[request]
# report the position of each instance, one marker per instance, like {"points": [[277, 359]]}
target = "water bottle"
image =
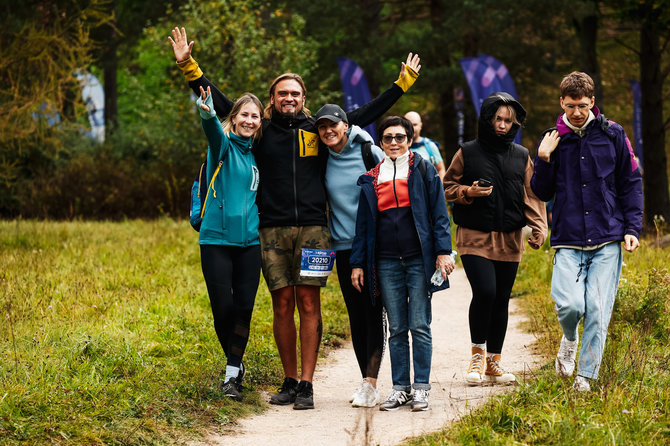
{"points": [[437, 278]]}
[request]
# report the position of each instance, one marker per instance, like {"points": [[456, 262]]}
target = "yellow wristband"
{"points": [[408, 79], [190, 69]]}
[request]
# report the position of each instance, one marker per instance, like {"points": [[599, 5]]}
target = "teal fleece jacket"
{"points": [[231, 214], [342, 174]]}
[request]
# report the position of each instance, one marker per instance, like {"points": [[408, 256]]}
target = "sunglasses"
{"points": [[388, 139]]}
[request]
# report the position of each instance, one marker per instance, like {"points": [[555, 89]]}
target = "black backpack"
{"points": [[368, 159]]}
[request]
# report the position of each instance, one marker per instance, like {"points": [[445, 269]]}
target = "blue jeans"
{"points": [[584, 285], [402, 283]]}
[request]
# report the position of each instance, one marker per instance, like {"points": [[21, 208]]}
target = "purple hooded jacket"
{"points": [[595, 182]]}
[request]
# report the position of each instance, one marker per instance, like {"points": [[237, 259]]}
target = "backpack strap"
{"points": [[368, 158], [211, 187], [422, 168]]}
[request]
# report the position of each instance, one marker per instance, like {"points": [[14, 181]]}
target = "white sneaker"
{"points": [[581, 384], [368, 396], [565, 359], [420, 401], [357, 392]]}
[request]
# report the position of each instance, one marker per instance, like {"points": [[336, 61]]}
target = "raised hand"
{"points": [[204, 95], [412, 62], [548, 145], [180, 45]]}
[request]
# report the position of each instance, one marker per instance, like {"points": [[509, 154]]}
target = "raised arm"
{"points": [[196, 80], [368, 113], [543, 182], [211, 126]]}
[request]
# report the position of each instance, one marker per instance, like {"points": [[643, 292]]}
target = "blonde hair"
{"points": [[246, 98], [512, 114], [291, 76]]}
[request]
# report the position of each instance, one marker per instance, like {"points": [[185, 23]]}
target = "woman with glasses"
{"points": [[489, 182], [402, 239]]}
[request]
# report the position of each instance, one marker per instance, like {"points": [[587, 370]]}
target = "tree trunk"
{"points": [[587, 30], [656, 195], [109, 65]]}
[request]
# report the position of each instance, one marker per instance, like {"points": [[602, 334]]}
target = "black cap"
{"points": [[331, 112]]}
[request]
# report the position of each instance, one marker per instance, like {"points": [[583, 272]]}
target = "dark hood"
{"points": [[486, 135]]}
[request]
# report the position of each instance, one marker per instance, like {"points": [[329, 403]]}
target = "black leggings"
{"points": [[491, 282], [232, 275], [366, 320]]}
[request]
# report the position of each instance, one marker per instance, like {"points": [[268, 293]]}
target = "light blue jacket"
{"points": [[231, 214], [342, 174]]}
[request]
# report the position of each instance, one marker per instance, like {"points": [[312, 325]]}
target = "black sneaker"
{"points": [[232, 390], [286, 394], [305, 396]]}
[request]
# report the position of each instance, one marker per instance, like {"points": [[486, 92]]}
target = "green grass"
{"points": [[107, 336], [630, 401]]}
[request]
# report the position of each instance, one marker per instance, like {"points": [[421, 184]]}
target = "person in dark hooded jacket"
{"points": [[489, 183]]}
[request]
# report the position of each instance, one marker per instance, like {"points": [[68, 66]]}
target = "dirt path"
{"points": [[335, 422]]}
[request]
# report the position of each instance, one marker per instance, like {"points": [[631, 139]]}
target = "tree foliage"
{"points": [[44, 44], [243, 45]]}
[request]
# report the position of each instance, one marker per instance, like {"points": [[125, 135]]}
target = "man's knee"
{"points": [[309, 300], [283, 302]]}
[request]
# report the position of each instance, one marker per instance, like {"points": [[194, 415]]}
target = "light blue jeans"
{"points": [[584, 285], [402, 283]]}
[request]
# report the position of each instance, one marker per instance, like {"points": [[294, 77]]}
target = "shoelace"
{"points": [[568, 351], [420, 395], [494, 366], [395, 395], [477, 363]]}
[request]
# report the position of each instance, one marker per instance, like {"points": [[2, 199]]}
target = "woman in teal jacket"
{"points": [[229, 247]]}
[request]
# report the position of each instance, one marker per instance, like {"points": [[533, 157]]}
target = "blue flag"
{"points": [[355, 88], [486, 75], [637, 118]]}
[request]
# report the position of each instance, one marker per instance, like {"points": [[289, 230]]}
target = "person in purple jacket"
{"points": [[586, 163]]}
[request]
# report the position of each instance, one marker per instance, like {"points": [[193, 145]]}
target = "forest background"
{"points": [[154, 143]]}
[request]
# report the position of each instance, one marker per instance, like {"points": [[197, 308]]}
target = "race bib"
{"points": [[316, 262], [309, 143]]}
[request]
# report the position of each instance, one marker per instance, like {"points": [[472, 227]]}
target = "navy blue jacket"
{"points": [[431, 221], [596, 183]]}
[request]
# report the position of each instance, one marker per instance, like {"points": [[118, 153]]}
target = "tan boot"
{"points": [[475, 373], [495, 373]]}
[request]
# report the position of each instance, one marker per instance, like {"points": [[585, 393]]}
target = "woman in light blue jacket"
{"points": [[229, 246], [351, 152]]}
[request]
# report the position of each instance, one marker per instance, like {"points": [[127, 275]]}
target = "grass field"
{"points": [[630, 401], [107, 336]]}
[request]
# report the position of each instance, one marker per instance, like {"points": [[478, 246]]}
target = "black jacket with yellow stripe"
{"points": [[292, 161]]}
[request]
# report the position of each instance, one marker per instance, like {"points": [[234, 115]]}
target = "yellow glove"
{"points": [[407, 80], [191, 69]]}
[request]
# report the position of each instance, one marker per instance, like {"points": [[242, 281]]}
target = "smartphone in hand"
{"points": [[483, 183]]}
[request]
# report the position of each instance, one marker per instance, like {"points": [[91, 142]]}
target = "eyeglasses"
{"points": [[388, 139], [582, 107]]}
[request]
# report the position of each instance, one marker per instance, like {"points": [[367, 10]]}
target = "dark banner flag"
{"points": [[637, 118], [486, 75], [355, 88]]}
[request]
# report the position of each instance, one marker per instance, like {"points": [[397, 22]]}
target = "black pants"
{"points": [[232, 275], [491, 282], [366, 320]]}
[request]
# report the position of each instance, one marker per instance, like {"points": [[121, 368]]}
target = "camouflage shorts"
{"points": [[281, 252]]}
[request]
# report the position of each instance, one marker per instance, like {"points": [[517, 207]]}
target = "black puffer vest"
{"points": [[497, 159]]}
